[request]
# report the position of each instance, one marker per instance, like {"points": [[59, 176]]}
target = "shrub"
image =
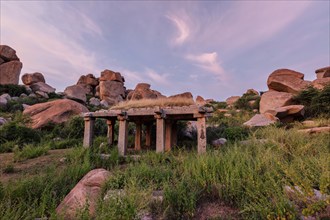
{"points": [[12, 90], [316, 102], [243, 102], [235, 133], [12, 131]]}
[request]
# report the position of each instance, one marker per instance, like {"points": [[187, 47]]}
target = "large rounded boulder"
{"points": [[57, 111], [285, 80], [85, 194], [10, 66], [31, 78], [271, 100]]}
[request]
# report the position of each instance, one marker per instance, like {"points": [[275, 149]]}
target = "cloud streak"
{"points": [[208, 62], [183, 30]]}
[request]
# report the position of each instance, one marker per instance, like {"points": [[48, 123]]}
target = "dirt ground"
{"points": [[216, 210], [30, 167]]}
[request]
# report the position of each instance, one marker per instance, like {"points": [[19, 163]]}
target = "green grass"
{"points": [[29, 152]]}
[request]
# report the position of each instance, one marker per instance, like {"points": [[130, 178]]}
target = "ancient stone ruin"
{"points": [[166, 125]]}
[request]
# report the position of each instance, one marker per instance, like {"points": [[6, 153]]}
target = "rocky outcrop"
{"points": [[285, 80], [111, 87], [9, 72], [88, 79], [112, 91], [231, 100], [57, 111], [143, 91], [260, 120], [7, 53], [272, 99], [251, 92], [109, 75], [76, 92], [84, 195], [10, 66], [200, 101], [43, 87], [185, 95], [321, 83], [323, 72], [31, 78]]}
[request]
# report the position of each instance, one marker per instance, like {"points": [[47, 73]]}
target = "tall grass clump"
{"points": [[29, 152]]}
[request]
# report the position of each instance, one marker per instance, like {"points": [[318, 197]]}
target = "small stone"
{"points": [[33, 95], [23, 95], [6, 96], [94, 101], [42, 94], [104, 104], [219, 142]]}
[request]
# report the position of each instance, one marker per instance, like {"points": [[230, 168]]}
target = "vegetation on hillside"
{"points": [[316, 102]]}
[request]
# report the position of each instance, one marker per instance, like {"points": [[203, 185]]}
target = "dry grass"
{"points": [[145, 103]]}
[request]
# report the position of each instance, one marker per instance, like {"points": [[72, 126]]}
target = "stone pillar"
{"points": [[88, 131], [111, 131], [148, 134], [123, 133], [201, 135], [168, 135], [160, 133], [174, 133], [138, 135]]}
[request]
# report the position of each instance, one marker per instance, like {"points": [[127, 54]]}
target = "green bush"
{"points": [[235, 133], [243, 102], [316, 102], [12, 90], [17, 105], [12, 131]]}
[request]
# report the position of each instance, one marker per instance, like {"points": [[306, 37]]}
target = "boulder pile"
{"points": [[10, 66], [283, 85], [36, 84]]}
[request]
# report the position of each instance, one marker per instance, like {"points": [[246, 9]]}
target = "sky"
{"points": [[215, 49]]}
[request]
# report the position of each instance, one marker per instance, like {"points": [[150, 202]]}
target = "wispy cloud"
{"points": [[207, 61], [183, 30], [157, 78]]}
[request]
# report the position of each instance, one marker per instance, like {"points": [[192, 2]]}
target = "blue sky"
{"points": [[213, 49]]}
